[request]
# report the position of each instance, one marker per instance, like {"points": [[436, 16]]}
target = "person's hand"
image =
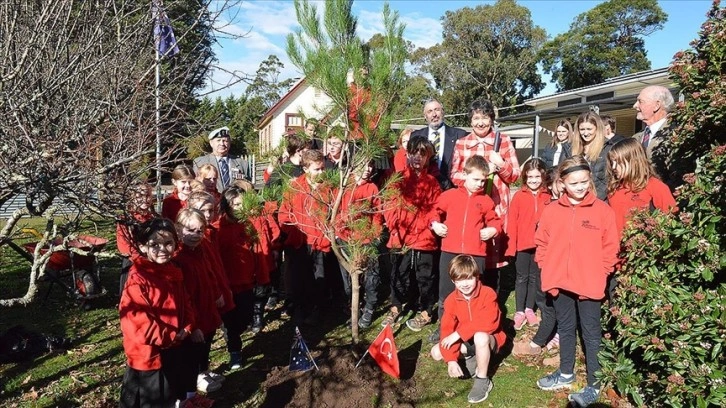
{"points": [[220, 302], [487, 233], [449, 340], [454, 369], [197, 336], [496, 159], [439, 228], [183, 333]]}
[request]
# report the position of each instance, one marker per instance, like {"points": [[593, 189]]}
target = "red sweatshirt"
{"points": [[235, 249], [303, 214], [479, 313], [524, 212], [410, 210], [624, 201], [211, 253], [465, 215], [154, 307], [267, 232], [171, 206], [200, 281], [361, 201], [577, 246]]}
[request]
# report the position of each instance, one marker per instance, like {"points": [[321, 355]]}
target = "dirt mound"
{"points": [[337, 383]]}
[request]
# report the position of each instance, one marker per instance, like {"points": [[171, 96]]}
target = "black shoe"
{"points": [[257, 323], [435, 337], [365, 319], [271, 303]]}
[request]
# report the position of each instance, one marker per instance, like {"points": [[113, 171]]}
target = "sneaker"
{"points": [[257, 323], [365, 319], [418, 322], [555, 381], [470, 364], [435, 337], [205, 384], [235, 360], [271, 303], [587, 396], [554, 343], [392, 317], [519, 320], [480, 390], [532, 319]]}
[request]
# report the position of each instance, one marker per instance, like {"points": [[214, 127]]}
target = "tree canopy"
{"points": [[603, 43], [489, 51]]}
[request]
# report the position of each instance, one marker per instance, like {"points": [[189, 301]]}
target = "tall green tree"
{"points": [[489, 51], [326, 48], [603, 43], [267, 84]]}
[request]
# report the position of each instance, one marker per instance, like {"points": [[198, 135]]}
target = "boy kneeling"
{"points": [[469, 327]]}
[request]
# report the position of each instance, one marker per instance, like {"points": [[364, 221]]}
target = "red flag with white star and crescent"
{"points": [[383, 350]]}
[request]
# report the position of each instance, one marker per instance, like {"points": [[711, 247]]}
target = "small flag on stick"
{"points": [[163, 33], [300, 357], [383, 350]]}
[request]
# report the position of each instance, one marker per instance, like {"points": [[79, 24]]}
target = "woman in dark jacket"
{"points": [[561, 146]]}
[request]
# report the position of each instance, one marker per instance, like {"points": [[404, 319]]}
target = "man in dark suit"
{"points": [[229, 167], [443, 137], [653, 105]]}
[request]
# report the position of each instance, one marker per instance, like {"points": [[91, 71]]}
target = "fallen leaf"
{"points": [[27, 379]]}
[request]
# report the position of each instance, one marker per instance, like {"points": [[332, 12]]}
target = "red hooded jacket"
{"points": [[360, 201], [410, 210], [480, 313], [154, 307], [235, 249], [524, 212], [303, 214], [577, 246], [624, 201], [211, 253], [465, 215], [200, 281]]}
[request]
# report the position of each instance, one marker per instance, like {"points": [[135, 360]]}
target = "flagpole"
{"points": [[158, 134], [361, 359]]}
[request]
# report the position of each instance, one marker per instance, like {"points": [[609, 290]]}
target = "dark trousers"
{"points": [[145, 389], [525, 287], [180, 367], [204, 350], [567, 307], [306, 274], [420, 265], [237, 319], [547, 325], [371, 281], [446, 285]]}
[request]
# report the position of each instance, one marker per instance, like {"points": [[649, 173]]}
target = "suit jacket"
{"points": [[451, 135], [660, 157], [238, 168]]}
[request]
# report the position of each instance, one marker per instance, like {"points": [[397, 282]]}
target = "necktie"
{"points": [[646, 137], [437, 143], [224, 171]]}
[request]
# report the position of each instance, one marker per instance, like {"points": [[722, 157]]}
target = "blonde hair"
{"points": [[572, 164], [636, 169], [182, 172], [597, 143], [187, 214], [200, 197], [476, 162], [205, 169], [404, 133], [197, 185], [463, 267]]}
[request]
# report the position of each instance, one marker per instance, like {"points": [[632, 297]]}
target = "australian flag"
{"points": [[163, 33], [300, 358]]}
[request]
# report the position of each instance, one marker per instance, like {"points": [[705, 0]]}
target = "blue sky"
{"points": [[266, 24]]}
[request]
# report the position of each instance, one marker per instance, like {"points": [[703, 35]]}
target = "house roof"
{"points": [[589, 96], [273, 110]]}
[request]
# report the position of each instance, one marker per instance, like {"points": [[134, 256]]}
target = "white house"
{"points": [[302, 101]]}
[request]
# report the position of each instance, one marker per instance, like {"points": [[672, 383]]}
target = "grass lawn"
{"points": [[90, 374]]}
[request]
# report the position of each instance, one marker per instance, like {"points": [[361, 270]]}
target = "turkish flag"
{"points": [[383, 350]]}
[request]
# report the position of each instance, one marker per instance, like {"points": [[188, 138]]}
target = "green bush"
{"points": [[666, 340]]}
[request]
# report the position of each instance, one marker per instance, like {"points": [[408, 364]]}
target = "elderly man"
{"points": [[229, 167], [652, 106], [443, 137]]}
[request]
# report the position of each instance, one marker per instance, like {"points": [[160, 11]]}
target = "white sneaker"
{"points": [[205, 385]]}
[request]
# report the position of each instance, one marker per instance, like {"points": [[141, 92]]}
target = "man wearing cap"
{"points": [[229, 167]]}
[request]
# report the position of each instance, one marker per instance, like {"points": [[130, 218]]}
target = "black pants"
{"points": [[567, 307], [420, 265], [146, 389], [237, 319], [180, 367], [525, 287], [371, 281], [204, 350], [306, 273], [446, 285], [546, 328]]}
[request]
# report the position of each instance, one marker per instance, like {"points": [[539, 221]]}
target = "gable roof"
{"points": [[299, 86]]}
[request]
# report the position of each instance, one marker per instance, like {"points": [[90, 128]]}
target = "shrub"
{"points": [[666, 321]]}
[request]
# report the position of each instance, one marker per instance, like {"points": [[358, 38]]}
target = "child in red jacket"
{"points": [[470, 326], [465, 220], [157, 321], [414, 247], [201, 282], [303, 217], [181, 177], [139, 208], [577, 247], [234, 239], [524, 212]]}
